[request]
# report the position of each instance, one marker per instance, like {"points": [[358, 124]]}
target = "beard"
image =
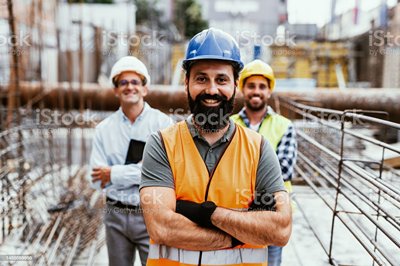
{"points": [[215, 118], [253, 107]]}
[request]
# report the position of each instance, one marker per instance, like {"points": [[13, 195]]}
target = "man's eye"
{"points": [[222, 80], [201, 79]]}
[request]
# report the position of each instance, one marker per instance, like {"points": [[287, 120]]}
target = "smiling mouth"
{"points": [[256, 98], [253, 97], [129, 93], [210, 102]]}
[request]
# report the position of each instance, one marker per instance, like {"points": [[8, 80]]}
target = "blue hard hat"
{"points": [[213, 44]]}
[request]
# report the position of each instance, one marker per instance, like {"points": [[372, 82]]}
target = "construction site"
{"points": [[338, 82]]}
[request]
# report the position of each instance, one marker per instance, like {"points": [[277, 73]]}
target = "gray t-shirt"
{"points": [[156, 170]]}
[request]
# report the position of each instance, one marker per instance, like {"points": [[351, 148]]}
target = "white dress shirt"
{"points": [[110, 146]]}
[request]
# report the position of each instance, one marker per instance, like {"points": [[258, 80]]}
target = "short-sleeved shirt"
{"points": [[156, 170]]}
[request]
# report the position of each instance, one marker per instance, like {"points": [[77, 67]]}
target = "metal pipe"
{"points": [[169, 99], [13, 93], [56, 245], [73, 250], [323, 197], [357, 174], [393, 192]]}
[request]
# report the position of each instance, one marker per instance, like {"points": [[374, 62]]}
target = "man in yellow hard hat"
{"points": [[257, 82], [116, 161]]}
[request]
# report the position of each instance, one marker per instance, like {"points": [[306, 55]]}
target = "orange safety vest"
{"points": [[231, 184]]}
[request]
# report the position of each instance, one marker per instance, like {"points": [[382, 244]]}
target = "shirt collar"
{"points": [[195, 133], [246, 120], [125, 119]]}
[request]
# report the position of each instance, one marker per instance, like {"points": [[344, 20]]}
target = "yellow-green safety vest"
{"points": [[273, 127]]}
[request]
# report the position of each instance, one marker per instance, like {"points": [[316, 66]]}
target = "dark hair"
{"points": [[268, 81], [236, 68]]}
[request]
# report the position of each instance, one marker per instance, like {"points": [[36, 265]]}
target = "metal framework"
{"points": [[45, 198], [363, 193]]}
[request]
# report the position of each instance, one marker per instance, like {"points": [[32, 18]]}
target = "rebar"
{"points": [[343, 176]]}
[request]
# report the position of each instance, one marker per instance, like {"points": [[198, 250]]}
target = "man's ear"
{"points": [[186, 85], [145, 91], [269, 93], [186, 82], [115, 89]]}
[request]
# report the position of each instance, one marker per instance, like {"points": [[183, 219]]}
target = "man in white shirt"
{"points": [[116, 160]]}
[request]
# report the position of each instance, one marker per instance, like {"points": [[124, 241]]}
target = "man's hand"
{"points": [[102, 174], [167, 227], [258, 227], [199, 213]]}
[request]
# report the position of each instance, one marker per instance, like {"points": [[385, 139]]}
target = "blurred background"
{"points": [[316, 43], [337, 64]]}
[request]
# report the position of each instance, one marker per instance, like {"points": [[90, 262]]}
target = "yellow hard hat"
{"points": [[257, 68]]}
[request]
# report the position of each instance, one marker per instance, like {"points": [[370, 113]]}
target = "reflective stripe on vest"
{"points": [[217, 257], [231, 184]]}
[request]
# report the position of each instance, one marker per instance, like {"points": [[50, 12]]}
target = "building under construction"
{"points": [[54, 89]]}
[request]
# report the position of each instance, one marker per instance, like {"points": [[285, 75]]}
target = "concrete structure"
{"points": [[302, 31], [359, 20], [253, 23], [107, 32], [50, 38]]}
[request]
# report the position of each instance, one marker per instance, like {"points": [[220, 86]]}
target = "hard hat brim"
{"points": [[213, 57]]}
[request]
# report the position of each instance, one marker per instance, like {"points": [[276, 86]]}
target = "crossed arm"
{"points": [[258, 227], [167, 227]]}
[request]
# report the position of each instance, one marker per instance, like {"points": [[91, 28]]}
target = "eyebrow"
{"points": [[199, 73], [252, 82], [218, 75]]}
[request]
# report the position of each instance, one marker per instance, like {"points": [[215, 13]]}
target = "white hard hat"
{"points": [[130, 63]]}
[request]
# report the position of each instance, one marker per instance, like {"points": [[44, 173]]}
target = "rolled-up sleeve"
{"points": [[98, 158], [125, 175], [287, 153]]}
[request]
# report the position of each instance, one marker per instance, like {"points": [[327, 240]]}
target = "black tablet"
{"points": [[135, 151]]}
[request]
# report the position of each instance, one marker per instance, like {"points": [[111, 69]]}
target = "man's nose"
{"points": [[212, 89], [257, 89], [131, 86]]}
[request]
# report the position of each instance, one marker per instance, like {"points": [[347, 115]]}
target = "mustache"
{"points": [[206, 96]]}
